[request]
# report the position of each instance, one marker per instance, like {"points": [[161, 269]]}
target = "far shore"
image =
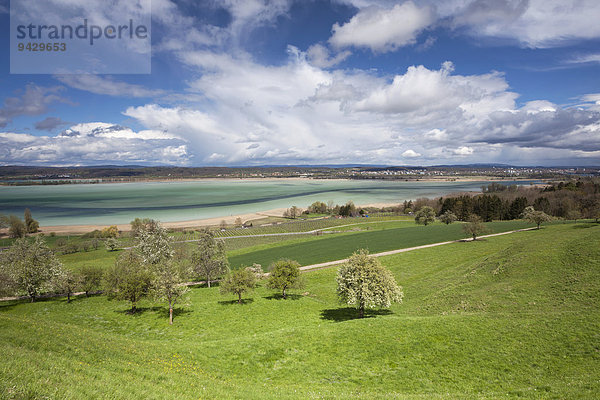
{"points": [[412, 178]]}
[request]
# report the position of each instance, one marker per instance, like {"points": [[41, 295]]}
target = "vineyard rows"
{"points": [[295, 227]]}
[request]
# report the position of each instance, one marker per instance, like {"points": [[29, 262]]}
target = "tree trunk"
{"points": [[538, 226], [361, 311], [68, 296], [474, 237], [170, 315], [208, 280], [283, 294], [239, 298]]}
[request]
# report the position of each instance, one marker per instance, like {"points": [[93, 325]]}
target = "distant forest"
{"points": [[569, 200]]}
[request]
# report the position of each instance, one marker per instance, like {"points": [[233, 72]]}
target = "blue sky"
{"points": [[325, 82]]}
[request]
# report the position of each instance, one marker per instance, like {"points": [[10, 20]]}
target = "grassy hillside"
{"points": [[507, 317]]}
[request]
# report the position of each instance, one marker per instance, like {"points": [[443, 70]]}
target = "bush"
{"points": [[425, 216], [16, 227], [110, 232]]}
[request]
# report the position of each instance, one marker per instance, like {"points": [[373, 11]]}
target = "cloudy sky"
{"points": [[272, 82]]}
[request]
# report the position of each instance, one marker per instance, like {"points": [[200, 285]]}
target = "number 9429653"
{"points": [[42, 46]]}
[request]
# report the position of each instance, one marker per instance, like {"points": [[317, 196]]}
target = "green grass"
{"points": [[329, 248], [101, 258], [514, 316]]}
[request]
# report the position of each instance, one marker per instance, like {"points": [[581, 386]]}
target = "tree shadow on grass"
{"points": [[230, 302], [177, 312], [585, 225], [278, 296], [470, 240], [139, 310], [9, 305], [348, 313]]}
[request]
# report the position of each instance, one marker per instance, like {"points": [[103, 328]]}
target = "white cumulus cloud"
{"points": [[463, 151], [383, 29], [93, 143], [410, 154]]}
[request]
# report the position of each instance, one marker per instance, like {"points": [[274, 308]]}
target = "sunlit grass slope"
{"points": [[506, 317]]}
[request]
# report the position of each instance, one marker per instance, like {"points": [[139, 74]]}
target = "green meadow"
{"points": [[381, 238], [334, 244], [513, 316]]}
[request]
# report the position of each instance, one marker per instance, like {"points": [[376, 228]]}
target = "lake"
{"points": [[87, 204]]}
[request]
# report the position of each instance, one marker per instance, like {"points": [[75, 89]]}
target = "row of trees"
{"points": [[153, 268], [474, 223], [18, 228], [30, 267]]}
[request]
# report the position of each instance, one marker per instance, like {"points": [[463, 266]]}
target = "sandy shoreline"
{"points": [[214, 221], [230, 219]]}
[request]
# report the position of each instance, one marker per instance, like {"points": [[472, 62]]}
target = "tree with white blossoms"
{"points": [[535, 217], [30, 266], [154, 245], [111, 244], [363, 282], [209, 260]]}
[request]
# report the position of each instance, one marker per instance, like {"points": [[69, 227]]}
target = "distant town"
{"points": [[21, 175]]}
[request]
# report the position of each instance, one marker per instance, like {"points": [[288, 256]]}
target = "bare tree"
{"points": [[474, 226]]}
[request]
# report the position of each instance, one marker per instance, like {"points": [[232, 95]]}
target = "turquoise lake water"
{"points": [[84, 204]]}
